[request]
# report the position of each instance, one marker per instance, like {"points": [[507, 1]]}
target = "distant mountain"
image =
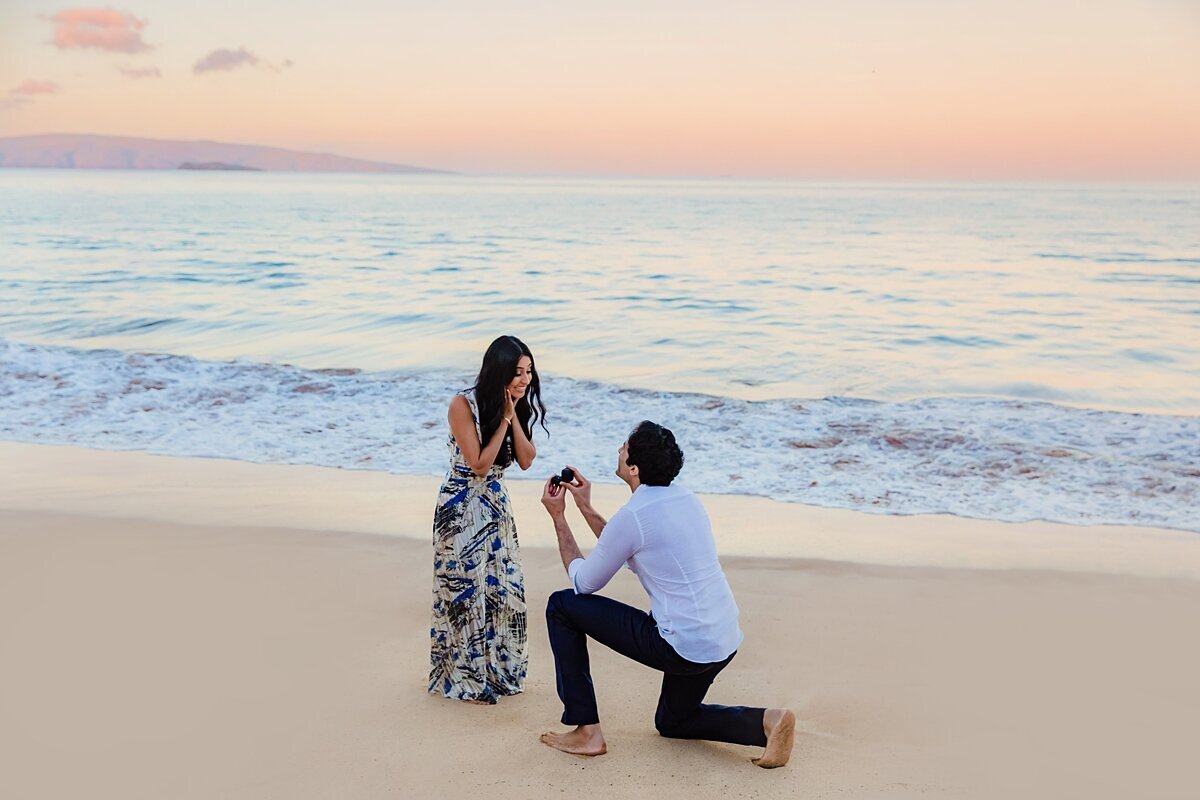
{"points": [[86, 151]]}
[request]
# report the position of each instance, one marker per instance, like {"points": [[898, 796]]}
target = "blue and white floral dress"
{"points": [[478, 635]]}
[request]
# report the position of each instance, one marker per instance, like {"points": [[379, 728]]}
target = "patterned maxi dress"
{"points": [[477, 637]]}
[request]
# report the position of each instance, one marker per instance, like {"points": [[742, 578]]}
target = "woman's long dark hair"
{"points": [[498, 370]]}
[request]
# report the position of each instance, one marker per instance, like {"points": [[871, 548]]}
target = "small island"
{"points": [[218, 165]]}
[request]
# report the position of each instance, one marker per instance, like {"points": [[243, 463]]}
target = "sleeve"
{"points": [[618, 541]]}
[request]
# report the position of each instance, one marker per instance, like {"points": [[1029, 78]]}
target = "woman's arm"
{"points": [[524, 450], [478, 457]]}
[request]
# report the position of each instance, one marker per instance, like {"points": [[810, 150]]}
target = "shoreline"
{"points": [[78, 480], [979, 458]]}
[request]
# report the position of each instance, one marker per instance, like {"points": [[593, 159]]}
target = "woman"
{"points": [[477, 648]]}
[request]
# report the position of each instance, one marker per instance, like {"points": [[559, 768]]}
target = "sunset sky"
{"points": [[1107, 89]]}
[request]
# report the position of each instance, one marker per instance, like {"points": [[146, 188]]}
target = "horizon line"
{"points": [[1187, 181]]}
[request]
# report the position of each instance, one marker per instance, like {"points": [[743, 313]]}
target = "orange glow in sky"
{"points": [[859, 89]]}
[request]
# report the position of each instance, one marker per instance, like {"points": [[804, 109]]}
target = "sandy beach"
{"points": [[194, 628], [907, 295]]}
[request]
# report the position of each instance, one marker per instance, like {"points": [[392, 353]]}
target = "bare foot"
{"points": [[780, 727], [585, 740]]}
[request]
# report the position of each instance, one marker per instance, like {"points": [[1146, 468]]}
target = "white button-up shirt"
{"points": [[663, 535]]}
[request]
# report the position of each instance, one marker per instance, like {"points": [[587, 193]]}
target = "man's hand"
{"points": [[580, 489], [554, 498]]}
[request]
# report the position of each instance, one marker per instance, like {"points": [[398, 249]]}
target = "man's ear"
{"points": [[633, 470]]}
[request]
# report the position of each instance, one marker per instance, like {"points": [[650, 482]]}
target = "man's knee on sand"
{"points": [[668, 727]]}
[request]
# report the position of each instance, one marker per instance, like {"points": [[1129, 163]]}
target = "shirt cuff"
{"points": [[573, 570]]}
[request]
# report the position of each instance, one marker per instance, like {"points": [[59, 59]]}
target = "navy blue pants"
{"points": [[681, 714]]}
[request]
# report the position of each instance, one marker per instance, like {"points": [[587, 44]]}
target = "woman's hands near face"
{"points": [[510, 407]]}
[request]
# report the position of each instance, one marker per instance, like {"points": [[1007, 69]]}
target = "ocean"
{"points": [[1000, 351]]}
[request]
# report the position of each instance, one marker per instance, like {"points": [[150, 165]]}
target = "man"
{"points": [[663, 535]]}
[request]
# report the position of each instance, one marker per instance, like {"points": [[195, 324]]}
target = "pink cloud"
{"points": [[25, 92], [140, 72], [31, 86], [100, 28], [224, 59]]}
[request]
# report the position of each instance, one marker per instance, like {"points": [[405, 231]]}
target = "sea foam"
{"points": [[991, 459]]}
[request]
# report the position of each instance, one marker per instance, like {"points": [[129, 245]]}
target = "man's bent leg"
{"points": [[570, 619]]}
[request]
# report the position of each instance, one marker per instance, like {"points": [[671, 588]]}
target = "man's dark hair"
{"points": [[652, 449]]}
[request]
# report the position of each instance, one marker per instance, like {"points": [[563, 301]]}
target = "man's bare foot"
{"points": [[585, 740], [780, 726]]}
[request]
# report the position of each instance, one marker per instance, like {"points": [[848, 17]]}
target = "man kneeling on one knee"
{"points": [[663, 535]]}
